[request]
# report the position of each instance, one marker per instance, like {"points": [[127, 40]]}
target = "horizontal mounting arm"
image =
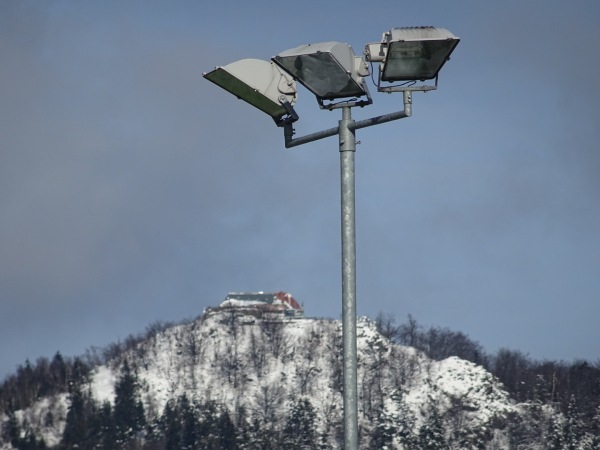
{"points": [[288, 128]]}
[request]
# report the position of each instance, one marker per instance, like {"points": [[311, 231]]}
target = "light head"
{"points": [[261, 84], [411, 54], [330, 70]]}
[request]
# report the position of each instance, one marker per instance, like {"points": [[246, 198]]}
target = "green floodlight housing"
{"points": [[330, 70], [261, 84], [411, 54]]}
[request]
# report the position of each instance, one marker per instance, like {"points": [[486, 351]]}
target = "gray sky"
{"points": [[132, 190]]}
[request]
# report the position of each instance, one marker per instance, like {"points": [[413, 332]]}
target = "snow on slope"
{"points": [[263, 365], [455, 379]]}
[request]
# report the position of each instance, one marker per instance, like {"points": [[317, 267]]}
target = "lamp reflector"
{"points": [[259, 83]]}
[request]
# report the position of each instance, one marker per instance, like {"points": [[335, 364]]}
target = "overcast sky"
{"points": [[134, 191]]}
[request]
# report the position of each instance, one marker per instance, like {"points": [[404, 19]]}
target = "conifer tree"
{"points": [[431, 433], [79, 427], [76, 421], [11, 430], [384, 430], [171, 427], [299, 431], [226, 432], [403, 420], [260, 436], [189, 424], [244, 429], [129, 411], [555, 437], [573, 431], [107, 436]]}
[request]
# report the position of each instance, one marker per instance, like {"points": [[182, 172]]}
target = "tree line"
{"points": [[561, 400], [573, 388], [46, 377], [185, 424]]}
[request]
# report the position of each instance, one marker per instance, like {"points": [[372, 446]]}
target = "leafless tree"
{"points": [[335, 357], [269, 400], [273, 332], [375, 367], [408, 333], [257, 353], [387, 327]]}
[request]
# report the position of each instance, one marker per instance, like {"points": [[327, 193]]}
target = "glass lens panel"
{"points": [[416, 60], [322, 75]]}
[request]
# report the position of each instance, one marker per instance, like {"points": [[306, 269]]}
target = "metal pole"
{"points": [[347, 151], [346, 131]]}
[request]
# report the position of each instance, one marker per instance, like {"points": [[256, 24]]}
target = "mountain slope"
{"points": [[262, 367]]}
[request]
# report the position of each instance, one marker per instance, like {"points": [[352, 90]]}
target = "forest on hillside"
{"points": [[569, 388], [558, 383]]}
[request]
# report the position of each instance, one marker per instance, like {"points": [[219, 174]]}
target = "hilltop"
{"points": [[249, 379]]}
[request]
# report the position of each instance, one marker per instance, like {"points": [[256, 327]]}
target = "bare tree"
{"points": [[386, 325], [269, 400], [408, 333], [332, 335], [273, 332], [193, 351], [258, 355]]}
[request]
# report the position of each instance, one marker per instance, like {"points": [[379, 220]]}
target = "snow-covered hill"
{"points": [[264, 365]]}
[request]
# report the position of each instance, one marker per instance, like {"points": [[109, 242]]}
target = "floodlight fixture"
{"points": [[261, 84], [330, 70], [411, 54]]}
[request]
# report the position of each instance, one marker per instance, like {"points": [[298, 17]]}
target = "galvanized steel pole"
{"points": [[347, 151], [346, 132]]}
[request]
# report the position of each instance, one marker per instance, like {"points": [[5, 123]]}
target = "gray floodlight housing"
{"points": [[261, 84], [330, 70], [412, 53]]}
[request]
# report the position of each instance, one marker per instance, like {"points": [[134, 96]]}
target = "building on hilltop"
{"points": [[261, 302]]}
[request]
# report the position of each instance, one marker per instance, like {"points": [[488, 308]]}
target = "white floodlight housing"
{"points": [[260, 83], [412, 53], [330, 70]]}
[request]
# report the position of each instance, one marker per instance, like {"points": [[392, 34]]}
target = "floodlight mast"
{"points": [[332, 72], [347, 148]]}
